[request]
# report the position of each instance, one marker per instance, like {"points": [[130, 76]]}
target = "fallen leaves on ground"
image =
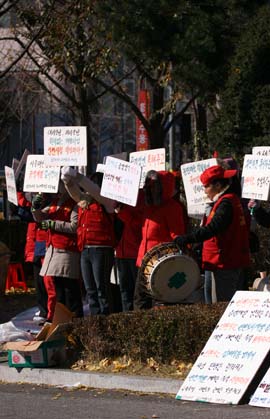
{"points": [[176, 369]]}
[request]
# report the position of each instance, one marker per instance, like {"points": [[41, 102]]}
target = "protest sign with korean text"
{"points": [[263, 151], [261, 397], [234, 352], [149, 160], [121, 181], [40, 177], [65, 146], [11, 185], [256, 177], [194, 190]]}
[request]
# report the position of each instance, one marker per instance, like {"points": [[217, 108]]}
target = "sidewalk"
{"points": [[69, 378]]}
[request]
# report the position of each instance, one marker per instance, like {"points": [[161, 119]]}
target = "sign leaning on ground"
{"points": [[121, 181], [65, 146], [261, 397], [149, 160], [256, 177], [39, 177], [234, 352], [194, 191], [11, 185]]}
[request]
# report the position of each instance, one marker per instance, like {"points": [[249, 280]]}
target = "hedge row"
{"points": [[168, 333]]}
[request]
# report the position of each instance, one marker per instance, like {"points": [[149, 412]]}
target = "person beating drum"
{"points": [[163, 219], [225, 235]]}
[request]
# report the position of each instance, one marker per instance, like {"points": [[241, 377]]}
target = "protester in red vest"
{"points": [[126, 251], [163, 220], [225, 235], [61, 263], [96, 238]]}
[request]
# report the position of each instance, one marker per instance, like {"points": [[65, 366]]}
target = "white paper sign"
{"points": [[65, 146], [11, 185], [149, 160], [194, 190], [261, 397], [234, 352], [263, 151], [121, 181], [256, 177], [121, 156], [40, 177]]}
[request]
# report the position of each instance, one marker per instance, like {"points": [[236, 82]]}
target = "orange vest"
{"points": [[59, 240], [95, 227], [229, 249]]}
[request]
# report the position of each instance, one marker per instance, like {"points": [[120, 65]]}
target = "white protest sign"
{"points": [[263, 151], [256, 177], [65, 146], [11, 185], [40, 177], [121, 181], [100, 168], [121, 156], [261, 397], [194, 190], [234, 352], [149, 160]]}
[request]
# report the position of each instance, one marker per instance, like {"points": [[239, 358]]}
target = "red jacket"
{"points": [[60, 240], [162, 223], [22, 201], [230, 249], [30, 242], [95, 227], [131, 238]]}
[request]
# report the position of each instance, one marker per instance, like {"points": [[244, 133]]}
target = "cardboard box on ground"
{"points": [[48, 348]]}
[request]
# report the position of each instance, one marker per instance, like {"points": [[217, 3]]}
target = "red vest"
{"points": [[95, 227], [66, 241], [41, 235], [229, 249]]}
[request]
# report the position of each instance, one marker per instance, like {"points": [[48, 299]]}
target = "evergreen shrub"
{"points": [[165, 334]]}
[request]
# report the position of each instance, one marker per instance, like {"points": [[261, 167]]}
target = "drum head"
{"points": [[174, 278]]}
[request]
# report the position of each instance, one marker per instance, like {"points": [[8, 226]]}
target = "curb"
{"points": [[67, 378]]}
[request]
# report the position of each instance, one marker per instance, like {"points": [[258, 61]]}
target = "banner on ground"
{"points": [[234, 352], [149, 160], [65, 146], [40, 177], [11, 185], [194, 190], [256, 177], [121, 181]]}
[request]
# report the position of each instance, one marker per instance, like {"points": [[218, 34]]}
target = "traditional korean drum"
{"points": [[169, 275]]}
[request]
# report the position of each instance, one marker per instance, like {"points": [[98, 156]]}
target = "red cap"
{"points": [[216, 172]]}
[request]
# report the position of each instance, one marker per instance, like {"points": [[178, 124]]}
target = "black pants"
{"points": [[142, 296], [68, 292], [42, 296]]}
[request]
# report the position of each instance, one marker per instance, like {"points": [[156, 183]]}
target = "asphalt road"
{"points": [[24, 401]]}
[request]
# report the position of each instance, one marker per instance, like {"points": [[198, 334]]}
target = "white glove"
{"points": [[67, 173]]}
